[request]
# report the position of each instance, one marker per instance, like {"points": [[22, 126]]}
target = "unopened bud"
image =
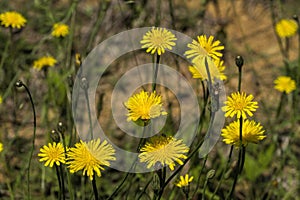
{"points": [[295, 17], [211, 174], [60, 127], [239, 61], [54, 136], [19, 83]]}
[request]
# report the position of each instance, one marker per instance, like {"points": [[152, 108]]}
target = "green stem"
{"points": [[21, 84], [198, 180], [157, 13], [89, 112], [241, 160], [282, 98], [223, 173], [155, 73], [101, 14], [240, 79], [95, 188], [4, 53], [162, 178]]}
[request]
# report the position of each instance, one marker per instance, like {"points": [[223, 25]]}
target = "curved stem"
{"points": [[21, 84]]}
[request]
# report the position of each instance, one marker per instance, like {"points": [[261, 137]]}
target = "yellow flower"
{"points": [[1, 100], [204, 47], [46, 61], [53, 154], [144, 106], [90, 157], [157, 40], [216, 70], [1, 147], [252, 132], [12, 19], [164, 150], [184, 181], [60, 30], [286, 28], [240, 105], [285, 84]]}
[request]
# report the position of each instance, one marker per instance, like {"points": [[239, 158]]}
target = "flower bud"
{"points": [[54, 136], [239, 61]]}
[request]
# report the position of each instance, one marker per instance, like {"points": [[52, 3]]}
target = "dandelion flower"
{"points": [[53, 154], [46, 61], [1, 147], [144, 106], [184, 181], [286, 28], [157, 40], [12, 19], [240, 105], [252, 132], [216, 70], [164, 150], [90, 157], [285, 84], [60, 30], [204, 47]]}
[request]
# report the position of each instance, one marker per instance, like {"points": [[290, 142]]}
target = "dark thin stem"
{"points": [[20, 84], [89, 112], [223, 173], [95, 188], [162, 178], [59, 181], [241, 160], [198, 181], [157, 13], [62, 182], [155, 73], [240, 79]]}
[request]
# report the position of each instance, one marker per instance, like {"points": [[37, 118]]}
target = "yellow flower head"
{"points": [[90, 157], [252, 132], [46, 61], [144, 106], [240, 105], [286, 28], [1, 100], [184, 181], [285, 84], [204, 47], [1, 147], [12, 19], [157, 40], [60, 30], [53, 154], [216, 70], [163, 150]]}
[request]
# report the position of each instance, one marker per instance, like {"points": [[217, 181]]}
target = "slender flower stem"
{"points": [[59, 182], [223, 173], [62, 182], [85, 86], [279, 108], [20, 84], [162, 178], [199, 176], [4, 53], [95, 188], [155, 73]]}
